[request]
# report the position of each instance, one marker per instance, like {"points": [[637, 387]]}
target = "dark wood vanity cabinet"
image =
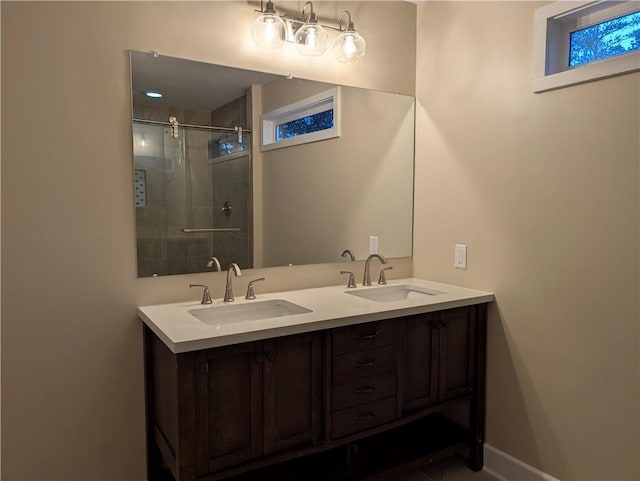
{"points": [[217, 413], [228, 406], [364, 364], [221, 407], [456, 332], [257, 398], [292, 397], [439, 354]]}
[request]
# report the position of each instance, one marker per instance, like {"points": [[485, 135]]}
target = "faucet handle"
{"points": [[382, 279], [206, 295], [250, 292], [352, 279]]}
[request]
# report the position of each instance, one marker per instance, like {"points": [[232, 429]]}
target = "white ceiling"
{"points": [[189, 84]]}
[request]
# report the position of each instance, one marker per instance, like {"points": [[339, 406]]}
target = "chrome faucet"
{"points": [[367, 277], [228, 292], [346, 253], [214, 262]]}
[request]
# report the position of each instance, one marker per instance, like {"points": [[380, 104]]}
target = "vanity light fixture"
{"points": [[153, 95], [268, 30], [349, 47], [271, 30], [311, 39]]}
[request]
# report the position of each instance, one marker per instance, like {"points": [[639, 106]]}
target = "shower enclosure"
{"points": [[193, 195]]}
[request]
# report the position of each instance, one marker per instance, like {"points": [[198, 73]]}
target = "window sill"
{"points": [[610, 67]]}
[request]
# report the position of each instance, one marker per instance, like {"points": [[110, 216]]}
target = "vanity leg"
{"points": [[477, 404], [153, 455]]}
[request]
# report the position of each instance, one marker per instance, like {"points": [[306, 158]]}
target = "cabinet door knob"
{"points": [[367, 337], [365, 389], [370, 363], [438, 324]]}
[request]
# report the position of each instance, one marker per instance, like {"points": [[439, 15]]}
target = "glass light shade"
{"points": [[349, 47], [311, 39], [268, 30]]}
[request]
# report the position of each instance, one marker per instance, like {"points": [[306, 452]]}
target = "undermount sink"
{"points": [[250, 311], [394, 293]]}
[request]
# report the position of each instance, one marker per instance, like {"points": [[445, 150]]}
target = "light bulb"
{"points": [[268, 30], [311, 39], [349, 47]]}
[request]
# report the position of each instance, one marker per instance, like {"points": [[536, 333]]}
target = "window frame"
{"points": [[323, 101], [552, 27]]}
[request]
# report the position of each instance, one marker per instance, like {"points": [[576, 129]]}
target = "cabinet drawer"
{"points": [[357, 365], [366, 416], [364, 390], [366, 336]]}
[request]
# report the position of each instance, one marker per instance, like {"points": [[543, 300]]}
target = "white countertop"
{"points": [[330, 307]]}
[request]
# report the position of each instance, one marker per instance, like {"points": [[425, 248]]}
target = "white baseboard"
{"points": [[507, 468]]}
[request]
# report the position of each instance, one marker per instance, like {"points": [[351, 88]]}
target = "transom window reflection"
{"points": [[606, 39], [305, 125], [311, 119]]}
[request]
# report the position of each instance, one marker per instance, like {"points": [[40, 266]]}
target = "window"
{"points": [[228, 144], [305, 125], [605, 39], [576, 43], [312, 119]]}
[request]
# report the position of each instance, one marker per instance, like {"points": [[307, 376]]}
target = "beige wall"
{"points": [[323, 197], [544, 190], [72, 381]]}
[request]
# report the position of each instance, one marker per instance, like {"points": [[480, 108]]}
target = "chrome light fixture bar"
{"points": [[310, 37]]}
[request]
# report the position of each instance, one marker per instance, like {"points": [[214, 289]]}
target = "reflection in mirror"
{"points": [[205, 186]]}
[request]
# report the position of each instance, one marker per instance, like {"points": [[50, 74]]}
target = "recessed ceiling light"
{"points": [[154, 95]]}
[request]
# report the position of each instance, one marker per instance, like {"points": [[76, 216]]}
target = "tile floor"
{"points": [[451, 469]]}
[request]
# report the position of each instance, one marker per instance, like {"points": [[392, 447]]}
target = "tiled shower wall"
{"points": [[162, 246], [232, 182], [172, 203]]}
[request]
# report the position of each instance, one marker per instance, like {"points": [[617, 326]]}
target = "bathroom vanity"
{"points": [[354, 386]]}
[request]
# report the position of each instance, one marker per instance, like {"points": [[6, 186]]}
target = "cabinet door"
{"points": [[456, 370], [229, 408], [292, 391], [420, 380]]}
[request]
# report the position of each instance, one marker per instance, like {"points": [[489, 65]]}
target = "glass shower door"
{"points": [[193, 199]]}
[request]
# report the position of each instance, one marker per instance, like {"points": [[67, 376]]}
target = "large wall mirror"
{"points": [[265, 170]]}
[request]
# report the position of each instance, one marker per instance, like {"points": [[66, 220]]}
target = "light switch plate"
{"points": [[460, 256], [373, 244]]}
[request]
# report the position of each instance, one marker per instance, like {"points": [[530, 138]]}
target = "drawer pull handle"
{"points": [[366, 416], [371, 363], [367, 337], [365, 389]]}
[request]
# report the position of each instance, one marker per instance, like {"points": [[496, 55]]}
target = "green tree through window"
{"points": [[305, 125], [603, 40]]}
